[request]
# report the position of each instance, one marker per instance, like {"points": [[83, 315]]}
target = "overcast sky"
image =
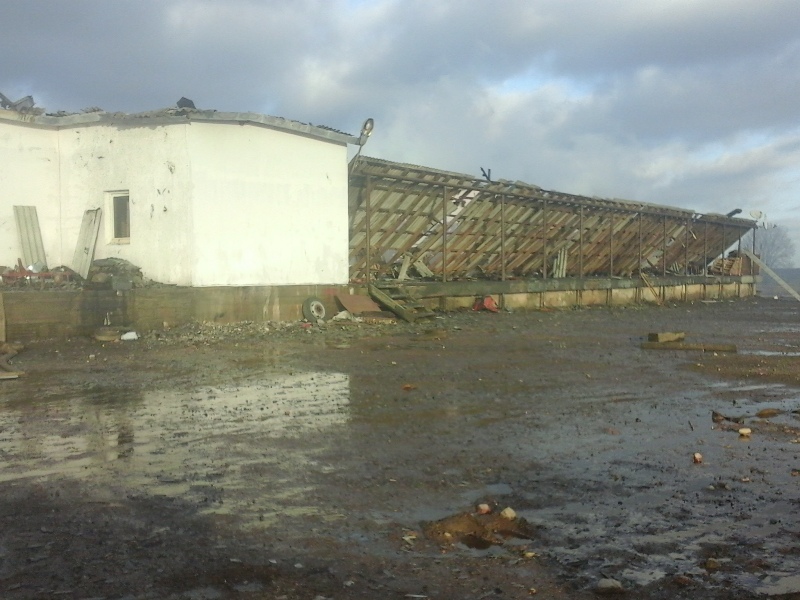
{"points": [[690, 103]]}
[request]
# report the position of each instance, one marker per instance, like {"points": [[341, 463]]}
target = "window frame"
{"points": [[116, 224]]}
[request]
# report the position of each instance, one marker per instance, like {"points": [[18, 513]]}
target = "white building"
{"points": [[192, 197]]}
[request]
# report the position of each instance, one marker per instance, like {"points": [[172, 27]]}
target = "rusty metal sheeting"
{"points": [[459, 227]]}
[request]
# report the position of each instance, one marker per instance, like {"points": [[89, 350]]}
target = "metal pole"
{"points": [[502, 238], [723, 246], [705, 247], [445, 201], [639, 264], [544, 240], [368, 239], [686, 250], [580, 259], [664, 250], [611, 245]]}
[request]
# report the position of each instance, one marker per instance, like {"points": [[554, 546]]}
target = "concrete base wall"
{"points": [[565, 293], [51, 314], [48, 314]]}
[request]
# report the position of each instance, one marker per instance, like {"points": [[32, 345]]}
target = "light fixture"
{"points": [[366, 131]]}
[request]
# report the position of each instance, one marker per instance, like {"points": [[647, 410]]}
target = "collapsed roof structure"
{"points": [[452, 226]]}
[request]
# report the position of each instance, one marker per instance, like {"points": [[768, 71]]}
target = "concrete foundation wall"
{"points": [[48, 314], [564, 293]]}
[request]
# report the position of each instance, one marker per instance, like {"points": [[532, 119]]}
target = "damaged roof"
{"points": [[168, 116], [460, 226]]}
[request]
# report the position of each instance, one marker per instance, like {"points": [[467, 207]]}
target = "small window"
{"points": [[119, 222]]}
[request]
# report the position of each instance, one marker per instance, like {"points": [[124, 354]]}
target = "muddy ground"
{"points": [[347, 461]]}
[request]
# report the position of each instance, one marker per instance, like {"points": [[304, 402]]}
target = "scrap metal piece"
{"points": [[30, 236]]}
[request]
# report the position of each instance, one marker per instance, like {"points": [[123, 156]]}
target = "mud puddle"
{"points": [[221, 448], [614, 491]]}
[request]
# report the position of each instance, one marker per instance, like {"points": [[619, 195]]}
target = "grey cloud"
{"points": [[684, 103]]}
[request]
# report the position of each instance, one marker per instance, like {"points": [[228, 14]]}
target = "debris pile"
{"points": [[480, 529], [24, 105], [37, 276], [119, 273]]}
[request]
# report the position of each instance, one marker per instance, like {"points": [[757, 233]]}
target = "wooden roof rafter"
{"points": [[499, 227]]}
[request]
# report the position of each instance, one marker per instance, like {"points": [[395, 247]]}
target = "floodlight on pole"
{"points": [[366, 131]]}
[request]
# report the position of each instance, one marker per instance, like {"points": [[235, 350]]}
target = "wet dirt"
{"points": [[250, 461]]}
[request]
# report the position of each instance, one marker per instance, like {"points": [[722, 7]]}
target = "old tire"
{"points": [[313, 309]]}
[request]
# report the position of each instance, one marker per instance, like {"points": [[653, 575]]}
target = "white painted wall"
{"points": [[212, 203], [28, 177], [151, 162], [269, 207]]}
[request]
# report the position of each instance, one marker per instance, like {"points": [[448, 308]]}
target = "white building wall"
{"points": [[270, 208], [28, 177], [211, 203], [151, 163]]}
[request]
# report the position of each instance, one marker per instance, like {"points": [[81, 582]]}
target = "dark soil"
{"points": [[268, 461]]}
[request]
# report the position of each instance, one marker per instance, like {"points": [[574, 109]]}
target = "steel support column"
{"points": [[445, 203], [639, 264], [544, 240], [502, 238], [368, 226], [611, 245], [664, 250], [580, 243]]}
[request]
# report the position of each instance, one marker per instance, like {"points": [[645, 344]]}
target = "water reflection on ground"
{"points": [[207, 443]]}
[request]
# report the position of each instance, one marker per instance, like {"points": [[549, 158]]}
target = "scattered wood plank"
{"points": [[404, 268], [87, 240], [656, 295], [772, 274], [666, 336], [422, 268], [689, 347], [394, 306], [10, 375]]}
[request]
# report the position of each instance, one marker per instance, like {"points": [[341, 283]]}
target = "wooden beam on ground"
{"points": [[394, 306], [666, 336], [689, 347]]}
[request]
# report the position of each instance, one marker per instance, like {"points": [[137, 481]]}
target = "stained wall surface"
{"points": [[212, 203]]}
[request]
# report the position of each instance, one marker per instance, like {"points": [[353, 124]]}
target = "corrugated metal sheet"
{"points": [[87, 240], [30, 236], [462, 227]]}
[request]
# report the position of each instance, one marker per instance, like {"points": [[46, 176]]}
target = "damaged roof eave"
{"points": [[150, 119], [377, 169]]}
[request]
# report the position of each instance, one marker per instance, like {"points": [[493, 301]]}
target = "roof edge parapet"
{"points": [[177, 116]]}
